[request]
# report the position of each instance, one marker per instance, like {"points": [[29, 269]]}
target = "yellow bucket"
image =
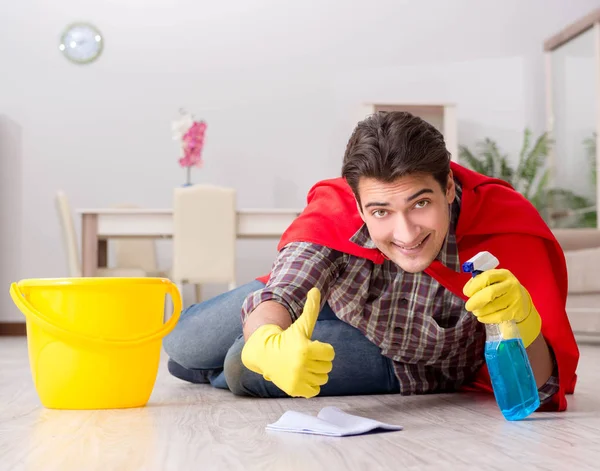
{"points": [[94, 343]]}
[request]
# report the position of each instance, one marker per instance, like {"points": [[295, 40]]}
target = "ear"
{"points": [[360, 211], [450, 188]]}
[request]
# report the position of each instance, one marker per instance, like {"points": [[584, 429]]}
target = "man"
{"points": [[366, 294]]}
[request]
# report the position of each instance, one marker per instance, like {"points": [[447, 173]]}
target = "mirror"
{"points": [[573, 102]]}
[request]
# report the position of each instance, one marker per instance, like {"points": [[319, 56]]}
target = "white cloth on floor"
{"points": [[331, 421]]}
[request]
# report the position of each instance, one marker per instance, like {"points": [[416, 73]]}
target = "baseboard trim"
{"points": [[12, 329]]}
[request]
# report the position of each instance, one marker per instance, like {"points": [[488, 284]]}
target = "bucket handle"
{"points": [[55, 328]]}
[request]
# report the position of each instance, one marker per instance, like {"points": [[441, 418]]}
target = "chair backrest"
{"points": [[68, 233], [135, 252], [204, 234]]}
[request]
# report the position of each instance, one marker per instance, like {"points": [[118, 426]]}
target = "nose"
{"points": [[406, 233]]}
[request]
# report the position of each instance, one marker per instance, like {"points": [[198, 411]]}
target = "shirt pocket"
{"points": [[438, 332]]}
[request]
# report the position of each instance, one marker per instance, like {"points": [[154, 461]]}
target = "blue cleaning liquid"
{"points": [[512, 379]]}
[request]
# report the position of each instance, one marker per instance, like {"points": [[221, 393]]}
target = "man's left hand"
{"points": [[496, 296]]}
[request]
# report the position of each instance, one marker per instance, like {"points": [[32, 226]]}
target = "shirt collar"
{"points": [[362, 238]]}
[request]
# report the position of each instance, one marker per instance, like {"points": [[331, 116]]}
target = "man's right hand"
{"points": [[289, 358]]}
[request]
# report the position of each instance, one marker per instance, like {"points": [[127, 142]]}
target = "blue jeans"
{"points": [[206, 347]]}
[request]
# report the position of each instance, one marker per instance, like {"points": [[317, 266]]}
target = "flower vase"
{"points": [[188, 180]]}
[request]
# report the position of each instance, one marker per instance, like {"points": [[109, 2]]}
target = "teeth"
{"points": [[415, 246]]}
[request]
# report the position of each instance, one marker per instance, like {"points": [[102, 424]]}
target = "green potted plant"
{"points": [[559, 207]]}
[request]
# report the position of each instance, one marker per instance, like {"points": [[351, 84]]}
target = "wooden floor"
{"points": [[190, 427]]}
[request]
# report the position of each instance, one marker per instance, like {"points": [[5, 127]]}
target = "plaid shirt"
{"points": [[436, 345]]}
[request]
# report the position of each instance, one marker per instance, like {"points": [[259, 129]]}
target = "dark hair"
{"points": [[389, 145]]}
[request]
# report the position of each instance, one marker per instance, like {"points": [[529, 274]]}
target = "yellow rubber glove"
{"points": [[496, 296], [289, 358]]}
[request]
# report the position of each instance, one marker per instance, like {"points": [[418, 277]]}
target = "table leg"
{"points": [[102, 253], [89, 244]]}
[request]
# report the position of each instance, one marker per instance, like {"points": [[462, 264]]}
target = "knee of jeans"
{"points": [[183, 349], [238, 377], [173, 346], [185, 345]]}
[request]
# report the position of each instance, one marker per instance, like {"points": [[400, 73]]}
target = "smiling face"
{"points": [[408, 219]]}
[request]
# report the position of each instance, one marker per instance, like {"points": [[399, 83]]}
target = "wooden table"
{"points": [[101, 224]]}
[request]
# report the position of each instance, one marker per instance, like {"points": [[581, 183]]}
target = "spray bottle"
{"points": [[507, 361]]}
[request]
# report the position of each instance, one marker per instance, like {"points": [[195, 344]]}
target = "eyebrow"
{"points": [[375, 203], [408, 200], [419, 193]]}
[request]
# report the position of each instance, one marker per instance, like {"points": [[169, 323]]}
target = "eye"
{"points": [[421, 204], [379, 213]]}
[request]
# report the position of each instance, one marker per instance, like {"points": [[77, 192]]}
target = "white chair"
{"points": [[204, 236], [71, 247]]}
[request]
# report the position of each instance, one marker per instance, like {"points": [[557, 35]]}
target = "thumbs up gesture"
{"points": [[289, 358]]}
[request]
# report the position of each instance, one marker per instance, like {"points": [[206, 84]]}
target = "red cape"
{"points": [[493, 217]]}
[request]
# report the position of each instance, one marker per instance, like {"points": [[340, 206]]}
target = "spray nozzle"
{"points": [[479, 263]]}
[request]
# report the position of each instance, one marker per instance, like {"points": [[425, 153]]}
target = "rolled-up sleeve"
{"points": [[299, 267], [550, 387]]}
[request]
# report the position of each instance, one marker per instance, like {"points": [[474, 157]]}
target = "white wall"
{"points": [[11, 159], [494, 106], [277, 82]]}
